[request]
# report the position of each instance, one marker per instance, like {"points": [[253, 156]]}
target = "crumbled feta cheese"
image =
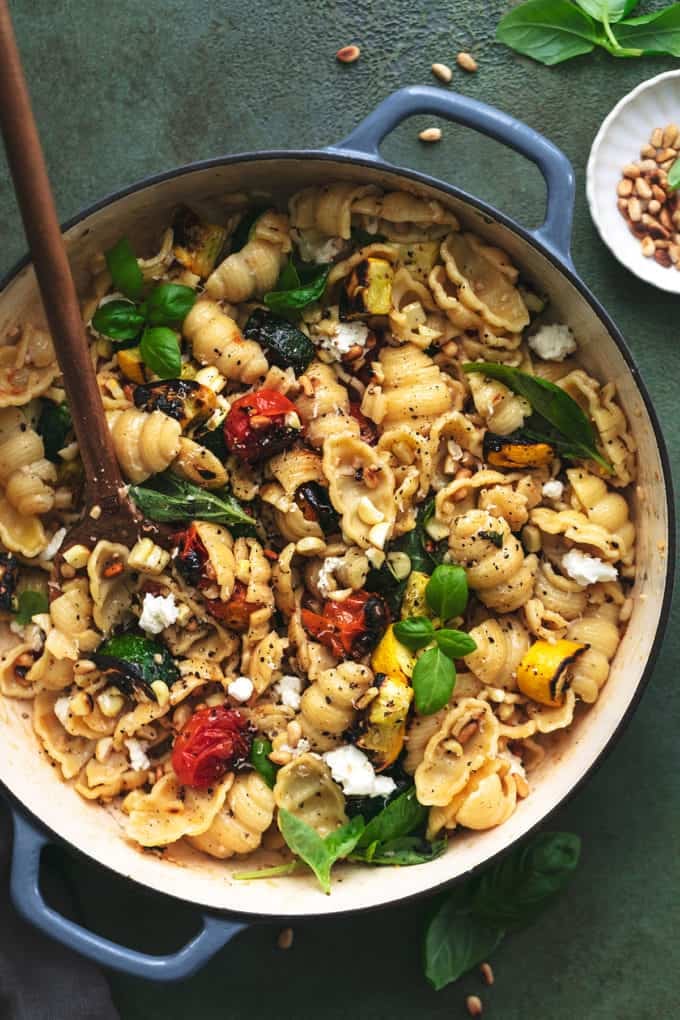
{"points": [[587, 569], [302, 747], [351, 768], [288, 690], [137, 755], [553, 489], [62, 709], [323, 581], [54, 544], [344, 337], [241, 688], [316, 247], [158, 612], [553, 343]]}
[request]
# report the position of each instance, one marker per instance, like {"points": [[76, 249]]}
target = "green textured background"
{"points": [[126, 89]]}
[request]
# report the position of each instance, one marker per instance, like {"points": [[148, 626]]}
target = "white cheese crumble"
{"points": [[288, 690], [316, 247], [325, 576], [345, 336], [54, 544], [553, 343], [302, 747], [241, 688], [137, 755], [553, 489], [586, 569], [351, 768], [158, 612]]}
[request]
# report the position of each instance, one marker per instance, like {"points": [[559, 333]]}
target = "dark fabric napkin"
{"points": [[40, 979]]}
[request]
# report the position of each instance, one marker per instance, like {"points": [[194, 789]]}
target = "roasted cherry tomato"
{"points": [[368, 430], [352, 627], [212, 743], [191, 555], [256, 426], [235, 613]]}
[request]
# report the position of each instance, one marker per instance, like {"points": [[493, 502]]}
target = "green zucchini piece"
{"points": [[287, 346], [54, 424], [197, 244], [134, 662]]}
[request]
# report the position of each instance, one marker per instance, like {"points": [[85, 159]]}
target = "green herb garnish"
{"points": [[475, 918], [319, 853], [398, 818], [120, 321], [434, 677], [54, 425], [124, 268], [496, 537], [28, 604], [172, 499], [159, 348], [447, 591], [405, 851], [552, 404], [168, 304], [290, 301], [415, 632], [259, 759]]}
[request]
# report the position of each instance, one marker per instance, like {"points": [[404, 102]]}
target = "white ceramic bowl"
{"points": [[654, 103]]}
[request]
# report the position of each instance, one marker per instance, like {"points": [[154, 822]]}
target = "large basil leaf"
{"points": [[549, 31], [551, 402], [173, 500], [169, 304], [447, 591], [159, 348], [124, 268], [455, 643], [404, 851], [292, 301], [434, 677], [456, 941], [398, 818], [319, 854], [609, 10], [415, 632], [118, 320], [658, 32]]}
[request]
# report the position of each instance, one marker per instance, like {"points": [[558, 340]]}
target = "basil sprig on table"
{"points": [[576, 436], [145, 322], [474, 919], [28, 604], [552, 31], [297, 287], [169, 499], [434, 674]]}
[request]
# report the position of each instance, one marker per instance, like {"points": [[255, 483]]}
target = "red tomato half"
{"points": [[352, 627], [213, 741], [191, 556], [255, 427], [235, 613]]}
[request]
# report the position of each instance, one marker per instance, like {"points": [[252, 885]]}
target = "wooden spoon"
{"points": [[108, 512]]}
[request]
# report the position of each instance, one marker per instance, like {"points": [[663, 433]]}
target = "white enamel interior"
{"points": [[194, 877], [624, 131]]}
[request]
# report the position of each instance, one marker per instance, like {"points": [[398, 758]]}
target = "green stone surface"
{"points": [[127, 89]]}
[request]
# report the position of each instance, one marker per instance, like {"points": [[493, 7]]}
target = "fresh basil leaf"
{"points": [[609, 10], [456, 941], [398, 818], [29, 604], [319, 854], [434, 677], [277, 871], [674, 176], [447, 591], [514, 891], [259, 759], [455, 643], [169, 304], [286, 345], [54, 425], [415, 632], [549, 31], [118, 320], [342, 841], [658, 32], [402, 852], [124, 268], [289, 277], [286, 302], [550, 401], [496, 537], [172, 499], [159, 348]]}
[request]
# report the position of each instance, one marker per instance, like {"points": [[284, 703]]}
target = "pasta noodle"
{"points": [[255, 268]]}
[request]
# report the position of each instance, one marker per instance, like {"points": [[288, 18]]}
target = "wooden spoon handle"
{"points": [[36, 202]]}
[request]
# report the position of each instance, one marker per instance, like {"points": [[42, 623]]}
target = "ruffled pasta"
{"points": [[238, 827], [217, 340], [328, 706], [358, 476], [305, 787], [496, 566], [28, 366], [254, 269], [409, 389], [145, 443]]}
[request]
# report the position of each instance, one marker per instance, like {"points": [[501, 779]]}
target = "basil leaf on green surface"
{"points": [[609, 10], [319, 854], [118, 320], [398, 818], [549, 31], [447, 591], [456, 941], [54, 425], [259, 759], [674, 176], [655, 33], [415, 632], [287, 302], [124, 268], [404, 851], [169, 303], [159, 348], [171, 499], [551, 402], [29, 604], [455, 643], [433, 680]]}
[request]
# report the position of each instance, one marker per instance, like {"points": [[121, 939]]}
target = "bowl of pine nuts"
{"points": [[633, 164]]}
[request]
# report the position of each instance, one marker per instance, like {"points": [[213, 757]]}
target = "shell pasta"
{"points": [[331, 429]]}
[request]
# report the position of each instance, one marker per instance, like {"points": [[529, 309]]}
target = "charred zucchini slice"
{"points": [[187, 401], [197, 244], [516, 451], [132, 663], [384, 724], [286, 346], [367, 289]]}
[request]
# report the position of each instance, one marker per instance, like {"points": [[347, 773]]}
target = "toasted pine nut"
{"points": [[632, 170], [648, 151], [466, 61], [642, 188], [666, 154], [665, 220], [647, 247], [625, 187], [648, 165], [634, 210], [659, 194], [83, 666], [674, 252], [474, 1005], [654, 207], [285, 939], [431, 134], [66, 570], [366, 698], [669, 134], [487, 973], [348, 54], [657, 137], [281, 757], [444, 73], [293, 733], [663, 258]]}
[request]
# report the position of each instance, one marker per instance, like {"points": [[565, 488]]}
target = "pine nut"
{"points": [[663, 258], [625, 187], [647, 247], [444, 73], [648, 151], [634, 210], [285, 939], [293, 733], [466, 61], [657, 137], [674, 252], [654, 207], [666, 154], [667, 165], [647, 165], [665, 220], [348, 54], [659, 194], [431, 134], [474, 1005], [632, 170], [642, 188], [487, 973], [669, 134], [83, 666]]}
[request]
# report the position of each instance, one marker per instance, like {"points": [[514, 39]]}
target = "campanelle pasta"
{"points": [[322, 447]]}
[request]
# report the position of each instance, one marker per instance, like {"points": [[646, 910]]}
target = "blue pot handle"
{"points": [[558, 173], [29, 843]]}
